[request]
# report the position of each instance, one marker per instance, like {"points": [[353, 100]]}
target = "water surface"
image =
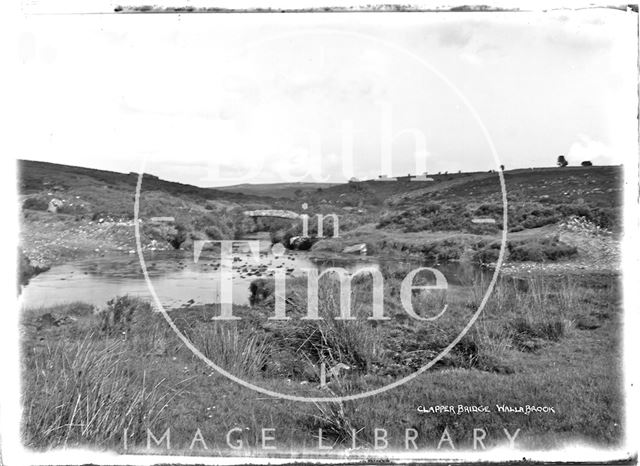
{"points": [[178, 280]]}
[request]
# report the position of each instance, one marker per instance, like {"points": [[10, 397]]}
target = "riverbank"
{"points": [[581, 248], [544, 342]]}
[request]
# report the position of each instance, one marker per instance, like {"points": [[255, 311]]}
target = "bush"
{"points": [[602, 217], [432, 217], [214, 233], [122, 313], [35, 203], [535, 215], [72, 209], [260, 289], [487, 254], [430, 208], [534, 250], [540, 250], [26, 270], [442, 251], [546, 329], [177, 236], [307, 344], [489, 210]]}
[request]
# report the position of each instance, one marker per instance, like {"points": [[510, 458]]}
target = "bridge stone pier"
{"points": [[272, 213]]}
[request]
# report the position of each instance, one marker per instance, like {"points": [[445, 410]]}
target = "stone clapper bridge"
{"points": [[287, 214]]}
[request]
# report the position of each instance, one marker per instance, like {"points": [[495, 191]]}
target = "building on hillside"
{"points": [[408, 177], [385, 178], [422, 177]]}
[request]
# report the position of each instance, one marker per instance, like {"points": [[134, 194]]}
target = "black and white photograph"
{"points": [[317, 232]]}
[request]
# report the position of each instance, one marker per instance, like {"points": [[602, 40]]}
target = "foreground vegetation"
{"points": [[89, 374]]}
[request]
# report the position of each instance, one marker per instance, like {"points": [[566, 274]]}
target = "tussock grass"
{"points": [[523, 313], [91, 384], [85, 389], [238, 352], [337, 423], [330, 340], [133, 320]]}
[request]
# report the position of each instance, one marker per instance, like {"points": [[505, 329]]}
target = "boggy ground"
{"points": [[544, 341]]}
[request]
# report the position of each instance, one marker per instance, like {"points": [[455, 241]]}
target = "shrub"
{"points": [[440, 217], [487, 254], [26, 270], [305, 344], [214, 233], [35, 203], [489, 209], [547, 329], [177, 236], [549, 211], [73, 209], [442, 251], [534, 250], [540, 250], [121, 313], [260, 289], [430, 208]]}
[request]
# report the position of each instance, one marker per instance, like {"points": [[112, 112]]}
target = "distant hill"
{"points": [[72, 212], [598, 185], [39, 176], [282, 190], [94, 208]]}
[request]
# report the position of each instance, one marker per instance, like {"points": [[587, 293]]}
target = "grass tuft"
{"points": [[84, 389]]}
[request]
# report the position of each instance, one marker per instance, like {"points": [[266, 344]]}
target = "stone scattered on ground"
{"points": [[51, 319]]}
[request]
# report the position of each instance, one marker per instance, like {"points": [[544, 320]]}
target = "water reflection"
{"points": [[178, 280]]}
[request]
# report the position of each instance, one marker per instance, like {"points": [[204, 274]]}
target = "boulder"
{"points": [[50, 319], [302, 243], [54, 205], [27, 270], [360, 248]]}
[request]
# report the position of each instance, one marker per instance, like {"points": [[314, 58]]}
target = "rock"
{"points": [[587, 323], [360, 248], [50, 319], [302, 243], [54, 204], [503, 369], [27, 270]]}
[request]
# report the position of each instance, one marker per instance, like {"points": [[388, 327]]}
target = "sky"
{"points": [[215, 100]]}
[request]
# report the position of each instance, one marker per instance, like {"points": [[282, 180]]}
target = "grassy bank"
{"points": [[546, 341]]}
